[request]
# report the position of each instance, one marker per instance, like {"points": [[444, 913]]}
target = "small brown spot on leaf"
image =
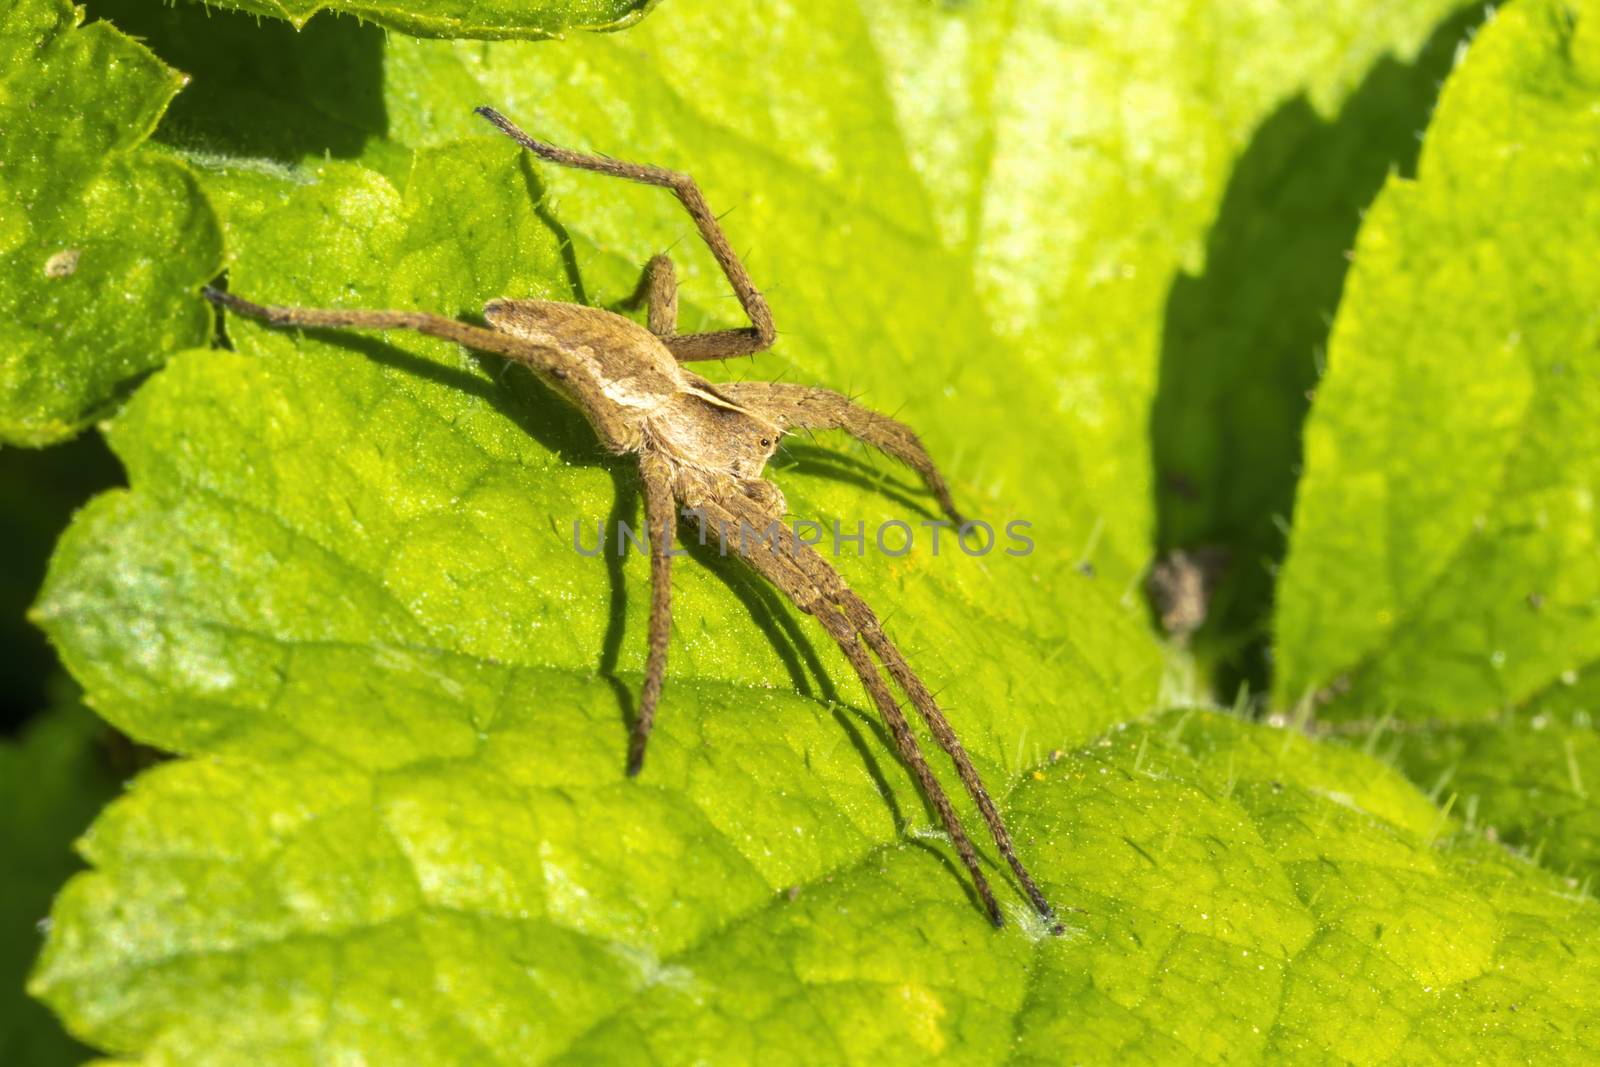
{"points": [[62, 264]]}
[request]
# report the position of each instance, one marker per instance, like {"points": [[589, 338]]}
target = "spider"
{"points": [[704, 446]]}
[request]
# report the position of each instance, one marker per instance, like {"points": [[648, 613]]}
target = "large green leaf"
{"points": [[1445, 562], [101, 245], [223, 607], [465, 544], [488, 19], [343, 584], [344, 904], [1444, 574]]}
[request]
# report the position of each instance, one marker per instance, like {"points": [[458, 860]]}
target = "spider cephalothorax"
{"points": [[702, 448]]}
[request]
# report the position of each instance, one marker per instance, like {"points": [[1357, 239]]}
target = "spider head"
{"points": [[705, 431]]}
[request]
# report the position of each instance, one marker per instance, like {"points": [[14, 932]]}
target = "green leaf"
{"points": [[1444, 574], [342, 584], [1528, 778], [459, 485], [1445, 563], [52, 781], [992, 150], [489, 19], [101, 245], [332, 907]]}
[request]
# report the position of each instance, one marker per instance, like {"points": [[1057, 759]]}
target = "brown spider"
{"points": [[704, 446]]}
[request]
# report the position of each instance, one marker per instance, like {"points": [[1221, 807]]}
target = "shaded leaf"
{"points": [[265, 90]]}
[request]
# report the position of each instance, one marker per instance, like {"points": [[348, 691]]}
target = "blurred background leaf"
{"points": [[1245, 339]]}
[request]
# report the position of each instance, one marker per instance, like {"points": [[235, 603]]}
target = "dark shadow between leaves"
{"points": [[39, 491], [1242, 342], [262, 89]]}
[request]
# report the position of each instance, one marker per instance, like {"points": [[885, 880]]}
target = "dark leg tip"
{"points": [[213, 294], [635, 760], [1058, 929], [499, 121]]}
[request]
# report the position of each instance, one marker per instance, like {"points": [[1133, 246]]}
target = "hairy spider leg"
{"points": [[658, 291], [660, 508], [538, 357], [718, 344], [865, 622], [794, 406], [778, 564]]}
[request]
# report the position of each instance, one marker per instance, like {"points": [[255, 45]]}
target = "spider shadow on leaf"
{"points": [[799, 656], [836, 466], [702, 449], [556, 425]]}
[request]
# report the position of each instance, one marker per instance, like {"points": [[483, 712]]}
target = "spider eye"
{"points": [[765, 442]]}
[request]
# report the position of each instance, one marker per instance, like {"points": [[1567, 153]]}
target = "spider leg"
{"points": [[658, 291], [794, 406], [719, 344], [777, 563], [539, 357], [865, 622], [663, 296], [660, 517]]}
